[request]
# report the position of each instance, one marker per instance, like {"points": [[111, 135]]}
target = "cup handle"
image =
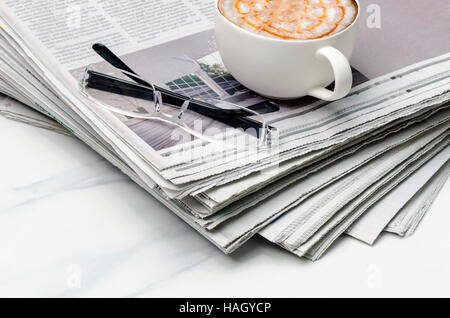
{"points": [[342, 73]]}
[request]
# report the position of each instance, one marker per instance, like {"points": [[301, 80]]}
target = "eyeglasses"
{"points": [[105, 85]]}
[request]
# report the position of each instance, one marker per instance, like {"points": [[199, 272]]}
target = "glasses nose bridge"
{"points": [[183, 108]]}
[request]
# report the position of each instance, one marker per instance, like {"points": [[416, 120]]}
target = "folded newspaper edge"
{"points": [[409, 217], [369, 227]]}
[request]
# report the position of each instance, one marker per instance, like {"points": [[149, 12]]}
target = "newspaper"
{"points": [[318, 243], [219, 197], [408, 218], [328, 169], [297, 227], [391, 45], [369, 227], [239, 230], [317, 251], [14, 110], [228, 196]]}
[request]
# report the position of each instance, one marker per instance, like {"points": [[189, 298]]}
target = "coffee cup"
{"points": [[288, 68]]}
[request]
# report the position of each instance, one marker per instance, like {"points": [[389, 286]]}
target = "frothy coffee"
{"points": [[291, 19]]}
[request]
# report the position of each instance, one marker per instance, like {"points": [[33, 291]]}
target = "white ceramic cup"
{"points": [[288, 69]]}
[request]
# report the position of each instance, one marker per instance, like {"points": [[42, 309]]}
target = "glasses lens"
{"points": [[138, 103], [112, 89]]}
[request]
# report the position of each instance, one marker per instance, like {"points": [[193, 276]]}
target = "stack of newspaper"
{"points": [[371, 162]]}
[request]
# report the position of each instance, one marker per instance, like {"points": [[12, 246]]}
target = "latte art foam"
{"points": [[291, 19]]}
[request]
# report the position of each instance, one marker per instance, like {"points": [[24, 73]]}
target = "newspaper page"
{"points": [[339, 226], [409, 217], [369, 227], [14, 110], [301, 238], [371, 160], [176, 57]]}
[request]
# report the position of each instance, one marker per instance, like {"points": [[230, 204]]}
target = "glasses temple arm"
{"points": [[115, 61]]}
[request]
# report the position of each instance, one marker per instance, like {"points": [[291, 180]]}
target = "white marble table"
{"points": [[71, 225]]}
